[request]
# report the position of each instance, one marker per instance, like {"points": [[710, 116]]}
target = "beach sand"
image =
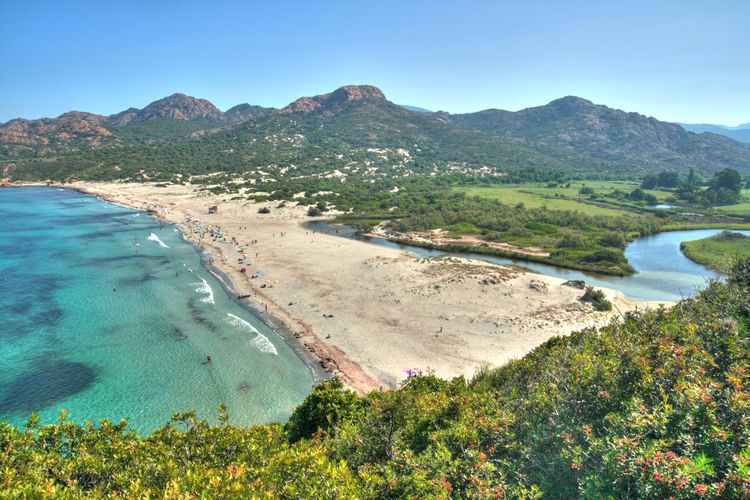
{"points": [[368, 312]]}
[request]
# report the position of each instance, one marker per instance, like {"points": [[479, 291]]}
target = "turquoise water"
{"points": [[108, 313]]}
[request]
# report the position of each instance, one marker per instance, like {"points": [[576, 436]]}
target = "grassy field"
{"points": [[738, 210], [564, 197], [718, 252]]}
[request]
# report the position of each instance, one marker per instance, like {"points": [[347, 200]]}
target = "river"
{"points": [[663, 272]]}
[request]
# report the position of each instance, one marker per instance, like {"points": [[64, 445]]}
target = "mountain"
{"points": [[348, 93], [176, 107], [416, 109], [171, 118], [244, 112], [353, 128], [740, 133], [628, 140], [70, 131], [351, 132]]}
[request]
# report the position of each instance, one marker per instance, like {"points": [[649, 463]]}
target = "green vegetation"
{"points": [[599, 197], [654, 406], [597, 298], [719, 251], [572, 238]]}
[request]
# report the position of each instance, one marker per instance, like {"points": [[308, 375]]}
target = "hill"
{"points": [[171, 118], [655, 406], [740, 133], [630, 141], [356, 128]]}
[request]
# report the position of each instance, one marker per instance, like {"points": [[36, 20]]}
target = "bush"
{"points": [[613, 239], [739, 274], [313, 211], [637, 195], [264, 210], [596, 298], [326, 406], [571, 240]]}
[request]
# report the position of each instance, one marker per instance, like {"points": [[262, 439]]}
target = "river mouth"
{"points": [[663, 273]]}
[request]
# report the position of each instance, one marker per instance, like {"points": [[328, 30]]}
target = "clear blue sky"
{"points": [[678, 60]]}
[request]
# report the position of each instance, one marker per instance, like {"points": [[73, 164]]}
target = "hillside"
{"points": [[631, 141], [169, 119], [655, 406], [356, 127], [740, 134], [353, 128]]}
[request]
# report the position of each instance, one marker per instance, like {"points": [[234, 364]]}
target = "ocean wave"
{"points": [[260, 341], [205, 288], [155, 238]]}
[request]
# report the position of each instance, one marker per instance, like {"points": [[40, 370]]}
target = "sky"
{"points": [[678, 60]]}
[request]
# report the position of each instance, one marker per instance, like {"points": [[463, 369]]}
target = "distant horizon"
{"points": [[681, 62], [225, 109]]}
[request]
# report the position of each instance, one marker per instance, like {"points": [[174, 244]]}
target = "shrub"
{"points": [[596, 298], [313, 211], [264, 210], [571, 240], [613, 239], [739, 274], [326, 406]]}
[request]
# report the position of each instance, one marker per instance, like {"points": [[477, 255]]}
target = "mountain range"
{"points": [[356, 123], [740, 133]]}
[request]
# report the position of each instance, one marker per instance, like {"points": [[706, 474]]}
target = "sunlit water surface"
{"points": [[108, 313]]}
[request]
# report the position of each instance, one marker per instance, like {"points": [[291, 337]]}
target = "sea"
{"points": [[109, 313]]}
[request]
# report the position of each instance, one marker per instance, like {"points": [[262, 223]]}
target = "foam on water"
{"points": [[205, 288], [108, 329], [260, 341], [153, 237]]}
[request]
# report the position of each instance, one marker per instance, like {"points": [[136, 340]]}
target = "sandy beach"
{"points": [[367, 312]]}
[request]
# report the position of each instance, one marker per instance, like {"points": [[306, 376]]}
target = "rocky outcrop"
{"points": [[176, 107], [343, 94]]}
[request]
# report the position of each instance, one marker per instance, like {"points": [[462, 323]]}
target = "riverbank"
{"points": [[719, 251], [367, 312]]}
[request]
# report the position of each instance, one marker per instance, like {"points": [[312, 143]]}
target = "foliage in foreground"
{"points": [[656, 405]]}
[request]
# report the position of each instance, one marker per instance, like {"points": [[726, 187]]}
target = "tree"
{"points": [[637, 194], [668, 179], [727, 179], [650, 182]]}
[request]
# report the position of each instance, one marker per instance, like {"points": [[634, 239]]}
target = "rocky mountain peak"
{"points": [[571, 104], [342, 94], [176, 106]]}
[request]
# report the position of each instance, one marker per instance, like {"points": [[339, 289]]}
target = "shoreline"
{"points": [[322, 363], [362, 311]]}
